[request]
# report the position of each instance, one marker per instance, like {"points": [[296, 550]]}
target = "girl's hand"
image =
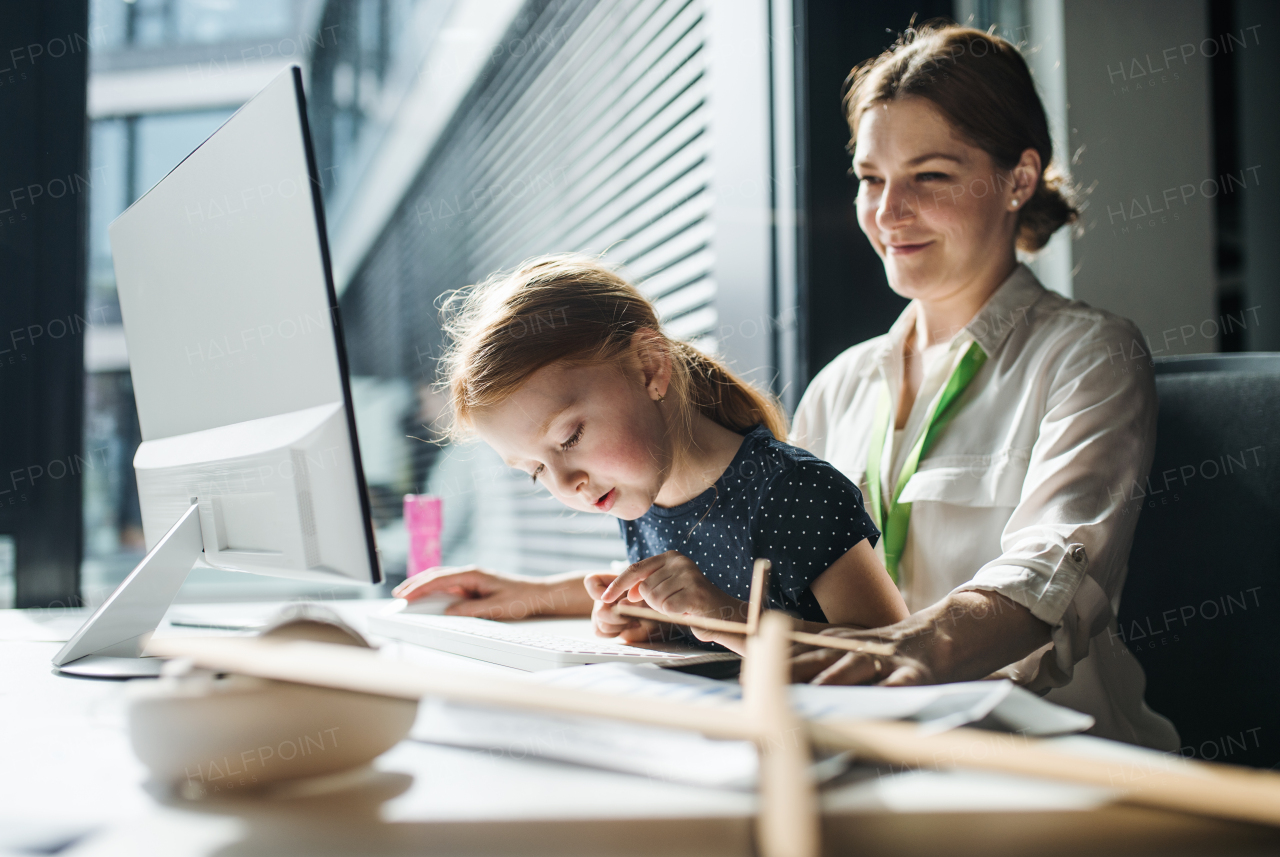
{"points": [[672, 583], [492, 595], [608, 623]]}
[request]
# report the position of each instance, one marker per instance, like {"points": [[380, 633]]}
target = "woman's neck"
{"points": [[710, 452], [940, 318]]}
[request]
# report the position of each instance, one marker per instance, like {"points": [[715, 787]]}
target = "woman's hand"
{"points": [[672, 583], [964, 637], [817, 665], [492, 595]]}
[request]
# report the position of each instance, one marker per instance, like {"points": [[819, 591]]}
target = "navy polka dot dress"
{"points": [[775, 501]]}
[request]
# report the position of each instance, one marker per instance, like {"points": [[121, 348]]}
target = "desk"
{"points": [[70, 772]]}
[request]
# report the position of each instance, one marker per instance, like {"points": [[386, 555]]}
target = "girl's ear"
{"points": [[654, 356]]}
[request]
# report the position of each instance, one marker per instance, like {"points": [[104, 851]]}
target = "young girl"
{"points": [[563, 369]]}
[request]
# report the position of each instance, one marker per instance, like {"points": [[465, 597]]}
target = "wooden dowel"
{"points": [[759, 586], [362, 670], [702, 622], [720, 625], [822, 641], [788, 822], [1164, 782]]}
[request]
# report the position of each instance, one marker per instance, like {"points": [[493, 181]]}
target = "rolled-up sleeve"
{"points": [[1065, 547]]}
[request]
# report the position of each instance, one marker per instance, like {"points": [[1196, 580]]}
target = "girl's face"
{"points": [[938, 210], [593, 435]]}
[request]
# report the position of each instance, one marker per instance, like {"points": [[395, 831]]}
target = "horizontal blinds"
{"points": [[594, 139]]}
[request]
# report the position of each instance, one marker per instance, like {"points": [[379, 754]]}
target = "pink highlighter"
{"points": [[423, 521]]}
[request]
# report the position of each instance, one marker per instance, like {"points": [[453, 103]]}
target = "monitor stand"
{"points": [[111, 642]]}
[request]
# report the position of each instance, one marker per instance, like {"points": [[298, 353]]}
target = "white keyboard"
{"points": [[523, 647]]}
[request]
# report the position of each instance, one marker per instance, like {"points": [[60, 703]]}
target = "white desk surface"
{"points": [[70, 771]]}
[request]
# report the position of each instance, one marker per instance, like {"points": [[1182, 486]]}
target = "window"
{"points": [[133, 143], [584, 127], [454, 139], [151, 23]]}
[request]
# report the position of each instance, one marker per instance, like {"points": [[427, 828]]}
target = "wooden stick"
{"points": [[358, 669], [702, 622], [708, 624], [759, 587], [1165, 782], [787, 821], [822, 641]]}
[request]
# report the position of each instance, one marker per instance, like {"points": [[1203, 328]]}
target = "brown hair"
{"points": [[981, 84], [573, 309]]}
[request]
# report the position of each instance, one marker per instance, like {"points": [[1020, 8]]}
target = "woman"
{"points": [[991, 429], [1011, 550]]}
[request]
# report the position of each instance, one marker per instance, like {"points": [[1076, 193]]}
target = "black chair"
{"points": [[1201, 606]]}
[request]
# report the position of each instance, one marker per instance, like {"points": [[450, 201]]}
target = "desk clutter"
{"points": [[758, 735], [278, 704], [607, 758], [681, 756]]}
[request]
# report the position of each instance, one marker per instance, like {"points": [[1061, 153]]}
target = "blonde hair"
{"points": [[981, 84], [573, 309]]}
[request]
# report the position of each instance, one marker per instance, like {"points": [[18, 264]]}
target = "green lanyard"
{"points": [[894, 526]]}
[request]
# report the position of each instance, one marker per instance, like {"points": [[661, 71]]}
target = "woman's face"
{"points": [[938, 210], [591, 434]]}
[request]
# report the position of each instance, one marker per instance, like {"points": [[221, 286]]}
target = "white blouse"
{"points": [[1026, 492]]}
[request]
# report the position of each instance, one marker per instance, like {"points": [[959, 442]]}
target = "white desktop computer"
{"points": [[249, 460]]}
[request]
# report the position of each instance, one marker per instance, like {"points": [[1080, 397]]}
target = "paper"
{"points": [[1024, 712], [687, 757], [662, 754], [665, 754], [811, 701], [643, 680], [1000, 704]]}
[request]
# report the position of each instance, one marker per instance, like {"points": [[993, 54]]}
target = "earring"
{"points": [[661, 398], [1015, 203]]}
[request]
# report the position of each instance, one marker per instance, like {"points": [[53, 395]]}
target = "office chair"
{"points": [[1201, 605]]}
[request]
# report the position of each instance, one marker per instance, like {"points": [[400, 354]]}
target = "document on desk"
{"points": [[670, 755], [691, 758], [999, 704]]}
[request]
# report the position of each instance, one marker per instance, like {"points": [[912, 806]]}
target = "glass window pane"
{"points": [[108, 196], [164, 139], [108, 24], [149, 22], [206, 21]]}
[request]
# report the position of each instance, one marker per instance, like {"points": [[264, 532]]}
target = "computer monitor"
{"points": [[249, 458]]}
